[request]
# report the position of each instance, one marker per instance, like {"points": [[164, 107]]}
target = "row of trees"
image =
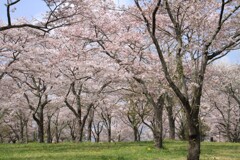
{"points": [[128, 112], [112, 69]]}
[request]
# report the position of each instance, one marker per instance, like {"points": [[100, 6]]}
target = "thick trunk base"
{"points": [[194, 149]]}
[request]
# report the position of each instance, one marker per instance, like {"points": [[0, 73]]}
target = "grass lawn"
{"points": [[174, 150]]}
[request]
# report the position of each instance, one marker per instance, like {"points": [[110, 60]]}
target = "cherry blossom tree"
{"points": [[131, 117], [59, 14], [199, 33], [114, 71], [224, 101], [97, 128]]}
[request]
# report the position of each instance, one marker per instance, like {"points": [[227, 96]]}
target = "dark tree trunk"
{"points": [[136, 134], [157, 127], [40, 133], [194, 138], [158, 114], [56, 133], [71, 125], [81, 126], [39, 120], [98, 137], [21, 130], [49, 134], [194, 148], [139, 135], [39, 86], [57, 129], [107, 118], [157, 135], [109, 133], [119, 137], [1, 138], [97, 128], [90, 123], [89, 137], [34, 136], [26, 131], [171, 119], [73, 136], [78, 111], [171, 128], [157, 140]]}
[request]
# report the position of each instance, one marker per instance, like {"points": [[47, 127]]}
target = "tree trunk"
{"points": [[90, 122], [158, 114], [39, 121], [119, 137], [72, 130], [89, 137], [81, 133], [26, 131], [98, 137], [56, 133], [80, 130], [157, 140], [40, 133], [34, 136], [171, 121], [82, 122], [1, 138], [139, 136], [194, 137], [136, 134], [21, 130], [171, 128], [56, 122], [109, 133], [73, 136], [49, 134]]}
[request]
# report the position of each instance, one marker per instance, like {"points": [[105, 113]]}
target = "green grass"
{"points": [[174, 150]]}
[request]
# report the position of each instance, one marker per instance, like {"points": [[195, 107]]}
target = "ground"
{"points": [[174, 150]]}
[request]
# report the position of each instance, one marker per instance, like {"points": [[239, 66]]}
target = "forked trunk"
{"points": [[97, 138]]}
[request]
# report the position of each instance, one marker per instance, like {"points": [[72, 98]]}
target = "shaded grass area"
{"points": [[173, 150]]}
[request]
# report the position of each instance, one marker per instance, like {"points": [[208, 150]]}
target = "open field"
{"points": [[115, 151]]}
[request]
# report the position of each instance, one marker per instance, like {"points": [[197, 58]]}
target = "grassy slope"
{"points": [[174, 150]]}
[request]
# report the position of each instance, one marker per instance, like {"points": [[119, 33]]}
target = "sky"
{"points": [[35, 8], [25, 8], [123, 2]]}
